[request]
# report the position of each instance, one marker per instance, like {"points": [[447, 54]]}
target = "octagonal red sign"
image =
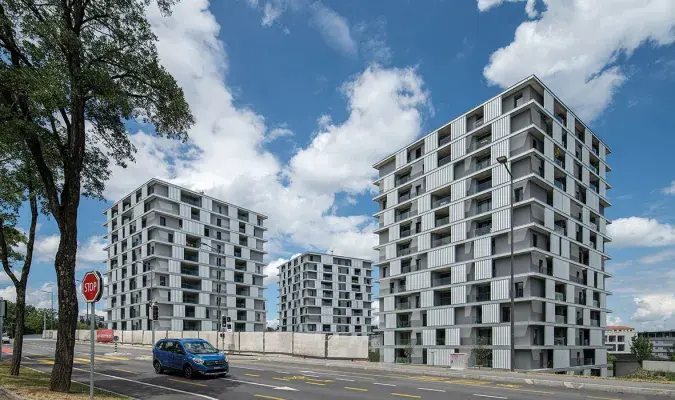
{"points": [[92, 286]]}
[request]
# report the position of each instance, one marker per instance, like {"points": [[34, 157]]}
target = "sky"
{"points": [[295, 100]]}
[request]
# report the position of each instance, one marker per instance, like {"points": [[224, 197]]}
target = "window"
{"points": [[517, 100], [162, 281], [206, 232], [418, 152], [534, 240], [162, 221], [170, 237], [519, 289], [612, 339], [621, 347], [506, 314], [518, 194], [169, 295], [621, 339]]}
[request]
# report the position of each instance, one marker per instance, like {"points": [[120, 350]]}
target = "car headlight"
{"points": [[198, 360], [224, 358]]}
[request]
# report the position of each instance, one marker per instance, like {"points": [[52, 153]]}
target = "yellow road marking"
{"points": [[527, 390], [267, 397], [319, 380], [81, 360], [281, 379], [406, 395], [116, 358], [129, 372], [189, 383], [353, 388], [314, 383], [50, 362], [508, 385], [251, 374]]}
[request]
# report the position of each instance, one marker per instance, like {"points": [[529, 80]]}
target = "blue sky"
{"points": [[296, 99]]}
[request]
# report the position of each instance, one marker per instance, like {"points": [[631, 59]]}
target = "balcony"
{"points": [[442, 221], [595, 322], [481, 165], [578, 279], [483, 230], [405, 233], [444, 160], [441, 281], [480, 187], [441, 242], [559, 296], [404, 197], [191, 257], [406, 251], [560, 319], [403, 324], [483, 207], [403, 215], [560, 341], [444, 141], [596, 303], [480, 143], [477, 319], [589, 361], [441, 202], [189, 271], [485, 296], [190, 285], [560, 185]]}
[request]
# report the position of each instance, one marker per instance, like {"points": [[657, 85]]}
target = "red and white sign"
{"points": [[92, 286], [105, 335]]}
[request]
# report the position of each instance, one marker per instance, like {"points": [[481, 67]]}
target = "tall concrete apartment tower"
{"points": [[325, 293], [444, 222], [196, 256]]}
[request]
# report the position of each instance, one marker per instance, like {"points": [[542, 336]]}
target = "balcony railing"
{"points": [[484, 230], [483, 208], [402, 216], [444, 160], [441, 242], [405, 233], [560, 319], [404, 197], [480, 143], [192, 272], [481, 165], [589, 361], [442, 221], [483, 296], [477, 319], [406, 251], [596, 303], [559, 296], [441, 202], [441, 281], [595, 322], [560, 341], [480, 187], [559, 185], [443, 141], [403, 324]]}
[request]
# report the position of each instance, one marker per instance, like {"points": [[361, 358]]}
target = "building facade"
{"points": [[618, 339], [197, 257], [444, 249], [325, 293], [663, 341]]}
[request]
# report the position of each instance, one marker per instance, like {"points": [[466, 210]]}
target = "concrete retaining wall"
{"points": [[279, 342], [309, 345], [297, 344], [252, 341], [664, 366], [346, 346]]}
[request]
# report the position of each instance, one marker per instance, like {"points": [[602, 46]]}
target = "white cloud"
{"points": [[669, 189], [584, 76], [373, 40], [485, 5], [278, 132], [39, 297], [273, 323], [334, 28], [613, 320], [661, 256], [272, 272], [638, 232], [227, 159], [44, 249], [657, 307], [271, 12], [91, 255]]}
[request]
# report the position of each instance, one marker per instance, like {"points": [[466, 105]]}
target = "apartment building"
{"points": [[663, 341], [618, 339], [444, 249], [326, 293], [197, 257]]}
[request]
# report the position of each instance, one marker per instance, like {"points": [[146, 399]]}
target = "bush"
{"points": [[642, 374]]}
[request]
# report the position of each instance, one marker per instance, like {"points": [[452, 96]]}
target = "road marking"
{"points": [[267, 397], [487, 395], [353, 388], [383, 384], [432, 390], [315, 383], [118, 358], [50, 362], [406, 395], [81, 360], [189, 383], [509, 385], [346, 380], [313, 376], [259, 384], [602, 398], [129, 372], [281, 379], [150, 384], [253, 369], [319, 380], [252, 374]]}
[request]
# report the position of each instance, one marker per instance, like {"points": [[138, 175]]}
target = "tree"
{"points": [[642, 348], [17, 184], [481, 353], [73, 72]]}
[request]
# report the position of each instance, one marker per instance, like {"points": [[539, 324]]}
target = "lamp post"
{"points": [[219, 278], [503, 161], [44, 322]]}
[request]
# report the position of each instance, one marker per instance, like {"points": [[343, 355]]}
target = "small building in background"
{"points": [[618, 339], [663, 342]]}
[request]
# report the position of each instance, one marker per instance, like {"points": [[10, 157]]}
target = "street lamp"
{"points": [[503, 161], [51, 320]]}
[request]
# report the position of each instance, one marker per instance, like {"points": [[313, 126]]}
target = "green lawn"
{"points": [[33, 384]]}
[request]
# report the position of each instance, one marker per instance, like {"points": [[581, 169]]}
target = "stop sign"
{"points": [[92, 286]]}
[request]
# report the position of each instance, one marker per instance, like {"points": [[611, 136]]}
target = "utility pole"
{"points": [[503, 160]]}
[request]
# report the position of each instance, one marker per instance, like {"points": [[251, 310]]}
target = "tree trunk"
{"points": [[64, 264], [20, 313]]}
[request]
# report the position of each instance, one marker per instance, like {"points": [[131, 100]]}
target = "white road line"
{"points": [[312, 376], [253, 369], [342, 379], [259, 384], [150, 384], [432, 390], [487, 395], [383, 384]]}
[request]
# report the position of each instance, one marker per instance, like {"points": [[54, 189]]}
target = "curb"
{"points": [[11, 395]]}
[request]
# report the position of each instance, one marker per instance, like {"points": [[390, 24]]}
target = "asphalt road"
{"points": [[130, 372]]}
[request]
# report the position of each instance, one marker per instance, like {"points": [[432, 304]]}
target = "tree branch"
{"points": [[32, 200], [4, 253]]}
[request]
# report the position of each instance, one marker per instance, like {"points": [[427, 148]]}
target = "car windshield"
{"points": [[199, 348]]}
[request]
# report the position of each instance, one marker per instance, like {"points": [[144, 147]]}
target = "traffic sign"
{"points": [[92, 286]]}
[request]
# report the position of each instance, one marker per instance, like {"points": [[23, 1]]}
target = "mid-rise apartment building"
{"points": [[197, 257], [325, 293], [618, 339], [663, 341], [444, 248]]}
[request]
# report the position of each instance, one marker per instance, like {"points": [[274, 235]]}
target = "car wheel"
{"points": [[158, 367], [187, 372]]}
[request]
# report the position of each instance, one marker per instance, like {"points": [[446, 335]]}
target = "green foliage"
{"points": [[34, 319], [482, 354], [642, 348], [655, 376]]}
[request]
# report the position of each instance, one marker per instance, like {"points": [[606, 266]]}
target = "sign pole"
{"points": [[92, 339], [2, 324]]}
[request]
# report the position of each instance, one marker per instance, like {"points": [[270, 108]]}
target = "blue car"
{"points": [[192, 356]]}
